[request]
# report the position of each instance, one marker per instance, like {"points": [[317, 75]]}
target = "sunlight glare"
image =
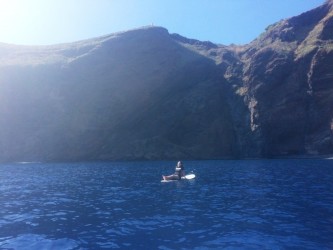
{"points": [[13, 18]]}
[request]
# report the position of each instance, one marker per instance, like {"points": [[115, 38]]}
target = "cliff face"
{"points": [[134, 95], [287, 80], [146, 94]]}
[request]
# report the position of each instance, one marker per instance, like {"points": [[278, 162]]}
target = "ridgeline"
{"points": [[148, 94]]}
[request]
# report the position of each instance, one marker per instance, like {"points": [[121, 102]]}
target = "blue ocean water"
{"points": [[257, 204]]}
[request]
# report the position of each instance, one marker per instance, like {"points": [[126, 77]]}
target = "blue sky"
{"points": [[41, 22]]}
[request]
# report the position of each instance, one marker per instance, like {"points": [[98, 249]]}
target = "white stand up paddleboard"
{"points": [[186, 177]]}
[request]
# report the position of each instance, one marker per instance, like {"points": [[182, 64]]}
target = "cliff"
{"points": [[148, 94], [287, 80]]}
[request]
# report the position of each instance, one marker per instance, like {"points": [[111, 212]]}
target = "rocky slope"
{"points": [[148, 94], [287, 80]]}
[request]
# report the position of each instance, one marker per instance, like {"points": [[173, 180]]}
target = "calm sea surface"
{"points": [[268, 204]]}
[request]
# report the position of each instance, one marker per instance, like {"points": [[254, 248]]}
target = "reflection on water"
{"points": [[275, 204]]}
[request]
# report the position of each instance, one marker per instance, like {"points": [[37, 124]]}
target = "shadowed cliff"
{"points": [[148, 94]]}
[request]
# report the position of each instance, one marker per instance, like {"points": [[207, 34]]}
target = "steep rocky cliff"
{"points": [[148, 94], [287, 84]]}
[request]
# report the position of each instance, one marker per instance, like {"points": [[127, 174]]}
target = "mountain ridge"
{"points": [[147, 94]]}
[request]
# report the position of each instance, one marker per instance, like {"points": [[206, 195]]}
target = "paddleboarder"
{"points": [[179, 172]]}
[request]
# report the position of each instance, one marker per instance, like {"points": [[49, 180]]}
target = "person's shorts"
{"points": [[174, 177]]}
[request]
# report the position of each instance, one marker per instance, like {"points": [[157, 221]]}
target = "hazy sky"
{"points": [[37, 22]]}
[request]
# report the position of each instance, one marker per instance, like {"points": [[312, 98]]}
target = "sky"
{"points": [[45, 22]]}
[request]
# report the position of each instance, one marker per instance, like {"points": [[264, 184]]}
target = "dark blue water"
{"points": [[269, 204]]}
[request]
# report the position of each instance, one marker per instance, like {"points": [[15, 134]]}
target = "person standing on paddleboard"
{"points": [[179, 172]]}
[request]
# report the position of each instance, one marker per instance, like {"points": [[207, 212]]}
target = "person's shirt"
{"points": [[179, 169]]}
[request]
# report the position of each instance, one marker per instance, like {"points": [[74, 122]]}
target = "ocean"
{"points": [[245, 204]]}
